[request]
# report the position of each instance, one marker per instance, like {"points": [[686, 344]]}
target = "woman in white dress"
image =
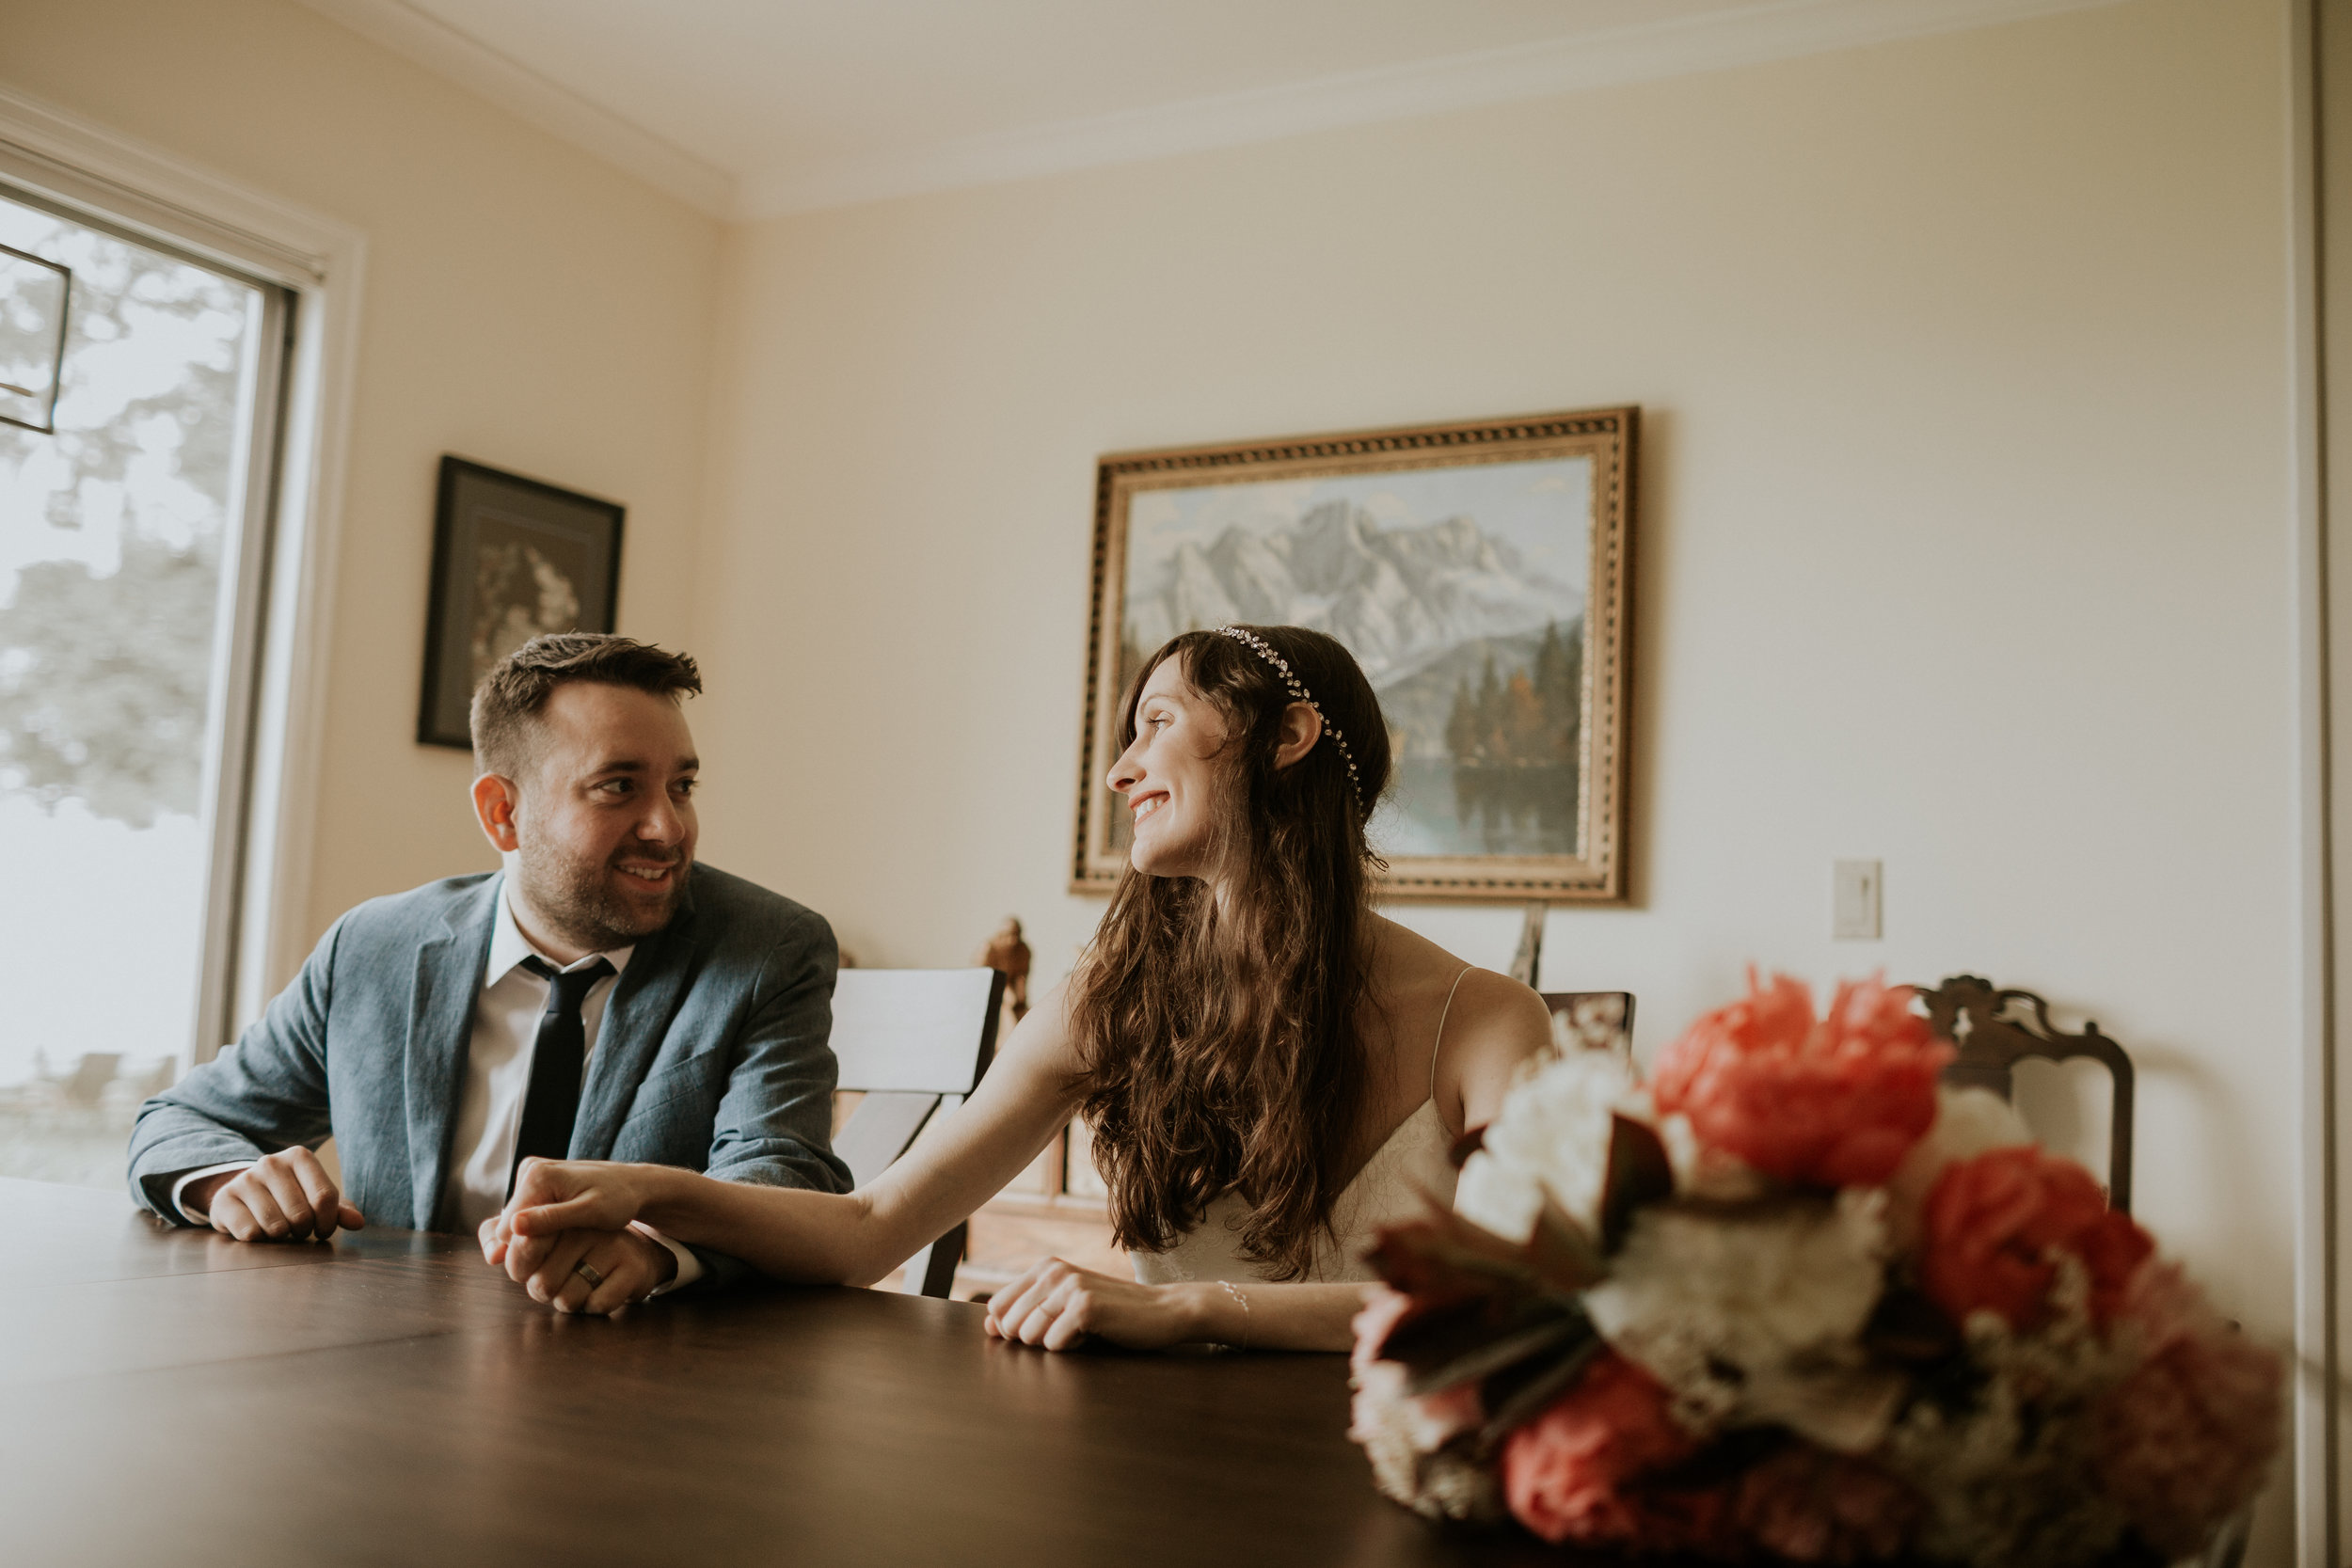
{"points": [[1271, 1070]]}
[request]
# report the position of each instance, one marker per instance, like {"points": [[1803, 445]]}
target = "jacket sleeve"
{"points": [[264, 1093], [774, 1124]]}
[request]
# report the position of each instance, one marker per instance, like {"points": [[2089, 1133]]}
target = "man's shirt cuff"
{"points": [[198, 1216], [690, 1268]]}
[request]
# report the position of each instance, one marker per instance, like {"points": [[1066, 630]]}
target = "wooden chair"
{"points": [[1996, 1029], [1592, 1020], [913, 1042]]}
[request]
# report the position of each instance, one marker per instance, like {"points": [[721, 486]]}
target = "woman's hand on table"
{"points": [[551, 1197], [565, 1213], [1054, 1304]]}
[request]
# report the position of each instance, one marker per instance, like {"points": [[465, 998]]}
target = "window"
{"points": [[133, 545]]}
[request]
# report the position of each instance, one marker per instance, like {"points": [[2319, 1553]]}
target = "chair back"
{"points": [[1996, 1029], [913, 1042], [1592, 1020], [917, 1031]]}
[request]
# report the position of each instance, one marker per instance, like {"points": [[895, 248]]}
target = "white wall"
{"points": [[1963, 539], [526, 305]]}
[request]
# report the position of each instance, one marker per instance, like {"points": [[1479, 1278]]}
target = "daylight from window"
{"points": [[111, 537]]}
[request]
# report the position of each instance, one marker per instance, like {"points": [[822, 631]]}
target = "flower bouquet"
{"points": [[1793, 1299]]}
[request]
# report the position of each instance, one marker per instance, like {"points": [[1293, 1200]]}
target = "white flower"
{"points": [[1551, 1135], [1968, 1122], [1702, 1170], [1405, 1438], [1755, 1314]]}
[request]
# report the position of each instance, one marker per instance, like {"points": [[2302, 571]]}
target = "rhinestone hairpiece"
{"points": [[1300, 694]]}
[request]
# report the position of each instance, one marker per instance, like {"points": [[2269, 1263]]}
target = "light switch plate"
{"points": [[1854, 887]]}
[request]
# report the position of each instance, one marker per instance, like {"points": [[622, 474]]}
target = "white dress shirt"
{"points": [[497, 1075]]}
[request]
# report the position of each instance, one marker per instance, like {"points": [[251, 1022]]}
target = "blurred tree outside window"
{"points": [[112, 533]]}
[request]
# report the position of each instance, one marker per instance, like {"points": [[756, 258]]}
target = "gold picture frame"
{"points": [[1481, 574]]}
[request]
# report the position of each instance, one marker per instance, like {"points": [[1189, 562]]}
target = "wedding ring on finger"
{"points": [[587, 1271]]}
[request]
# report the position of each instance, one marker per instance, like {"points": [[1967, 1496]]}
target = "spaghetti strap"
{"points": [[1436, 1048]]}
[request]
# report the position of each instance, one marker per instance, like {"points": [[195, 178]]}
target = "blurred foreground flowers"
{"points": [[1794, 1299]]}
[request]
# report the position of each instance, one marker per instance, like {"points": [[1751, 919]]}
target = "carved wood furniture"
{"points": [[1996, 1029]]}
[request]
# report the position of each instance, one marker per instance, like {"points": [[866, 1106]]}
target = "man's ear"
{"points": [[494, 798], [1302, 726]]}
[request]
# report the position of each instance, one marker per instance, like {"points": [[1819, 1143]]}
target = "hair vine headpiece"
{"points": [[1300, 694]]}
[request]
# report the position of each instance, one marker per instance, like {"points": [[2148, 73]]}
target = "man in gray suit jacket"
{"points": [[600, 997]]}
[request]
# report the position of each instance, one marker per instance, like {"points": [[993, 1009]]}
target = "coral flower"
{"points": [[2184, 1441], [1807, 1506], [1832, 1101], [1568, 1474], [1993, 1224]]}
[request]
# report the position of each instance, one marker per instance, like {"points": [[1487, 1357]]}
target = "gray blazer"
{"points": [[713, 1053]]}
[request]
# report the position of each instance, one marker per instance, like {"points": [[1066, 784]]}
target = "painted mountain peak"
{"points": [[1399, 597]]}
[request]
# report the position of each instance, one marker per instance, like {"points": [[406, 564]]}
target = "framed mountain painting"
{"points": [[1481, 574]]}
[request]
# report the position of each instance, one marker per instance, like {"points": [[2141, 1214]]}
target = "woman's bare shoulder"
{"points": [[1492, 1023], [1498, 1017], [1499, 1026]]}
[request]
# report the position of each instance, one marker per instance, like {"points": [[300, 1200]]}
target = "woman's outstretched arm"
{"points": [[959, 1162]]}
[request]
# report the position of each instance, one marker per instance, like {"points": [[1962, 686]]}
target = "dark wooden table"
{"points": [[175, 1398]]}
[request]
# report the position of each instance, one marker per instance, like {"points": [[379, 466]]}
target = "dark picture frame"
{"points": [[1481, 574], [513, 558]]}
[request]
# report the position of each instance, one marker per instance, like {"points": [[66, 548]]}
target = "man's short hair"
{"points": [[506, 704]]}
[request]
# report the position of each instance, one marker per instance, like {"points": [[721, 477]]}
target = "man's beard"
{"points": [[575, 896]]}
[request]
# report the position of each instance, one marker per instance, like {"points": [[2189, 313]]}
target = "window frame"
{"points": [[272, 666]]}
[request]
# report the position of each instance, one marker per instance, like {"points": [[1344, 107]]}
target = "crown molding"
{"points": [[533, 98], [1646, 51], [185, 205], [1751, 34]]}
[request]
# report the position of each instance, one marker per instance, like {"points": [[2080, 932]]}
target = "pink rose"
{"points": [[1992, 1225], [1808, 1505], [1565, 1474], [1832, 1102], [2186, 1440]]}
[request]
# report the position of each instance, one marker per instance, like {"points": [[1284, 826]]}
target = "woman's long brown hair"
{"points": [[1219, 1039]]}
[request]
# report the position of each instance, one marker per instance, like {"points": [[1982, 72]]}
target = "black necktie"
{"points": [[557, 1057]]}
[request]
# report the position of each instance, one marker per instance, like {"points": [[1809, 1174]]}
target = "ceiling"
{"points": [[750, 108]]}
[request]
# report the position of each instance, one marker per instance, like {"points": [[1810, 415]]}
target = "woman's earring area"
{"points": [[1297, 689]]}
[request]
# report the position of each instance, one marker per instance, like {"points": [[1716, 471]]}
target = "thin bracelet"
{"points": [[1227, 1287]]}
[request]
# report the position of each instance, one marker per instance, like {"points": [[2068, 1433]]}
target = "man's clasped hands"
{"points": [[291, 1196]]}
